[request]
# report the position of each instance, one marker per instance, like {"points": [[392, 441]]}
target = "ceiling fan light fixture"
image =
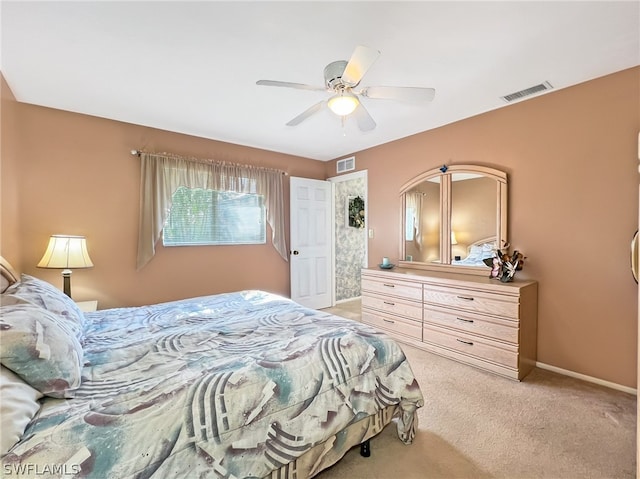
{"points": [[343, 104]]}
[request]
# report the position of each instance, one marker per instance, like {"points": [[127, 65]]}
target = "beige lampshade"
{"points": [[453, 238], [66, 252]]}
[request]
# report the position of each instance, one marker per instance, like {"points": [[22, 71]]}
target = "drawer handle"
{"points": [[465, 320], [465, 342], [388, 321], [389, 303], [466, 298], [389, 285]]}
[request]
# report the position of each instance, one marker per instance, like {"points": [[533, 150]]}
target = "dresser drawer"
{"points": [[467, 318], [392, 324], [393, 287], [466, 322], [481, 302], [401, 307], [472, 345]]}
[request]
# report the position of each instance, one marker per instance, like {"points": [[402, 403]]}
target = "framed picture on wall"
{"points": [[355, 211]]}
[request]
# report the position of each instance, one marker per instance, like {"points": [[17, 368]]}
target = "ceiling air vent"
{"points": [[527, 91], [347, 164]]}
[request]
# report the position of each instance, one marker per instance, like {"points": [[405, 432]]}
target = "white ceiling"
{"points": [[192, 67]]}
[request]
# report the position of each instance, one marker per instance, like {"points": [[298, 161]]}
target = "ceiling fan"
{"points": [[342, 78]]}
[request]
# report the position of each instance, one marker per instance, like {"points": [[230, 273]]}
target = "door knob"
{"points": [[296, 252]]}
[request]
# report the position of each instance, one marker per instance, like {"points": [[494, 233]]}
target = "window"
{"points": [[409, 224], [209, 217], [258, 194]]}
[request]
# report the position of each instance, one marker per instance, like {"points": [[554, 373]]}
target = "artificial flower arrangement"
{"points": [[504, 264]]}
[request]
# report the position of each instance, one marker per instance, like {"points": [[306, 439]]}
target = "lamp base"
{"points": [[66, 285]]}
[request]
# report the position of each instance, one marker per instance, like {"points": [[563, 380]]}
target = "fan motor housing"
{"points": [[333, 74]]}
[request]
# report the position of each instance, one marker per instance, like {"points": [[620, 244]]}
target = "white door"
{"points": [[310, 258]]}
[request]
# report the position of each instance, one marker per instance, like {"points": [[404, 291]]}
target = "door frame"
{"points": [[339, 179]]}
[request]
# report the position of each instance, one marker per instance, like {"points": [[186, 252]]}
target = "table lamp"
{"points": [[66, 252]]}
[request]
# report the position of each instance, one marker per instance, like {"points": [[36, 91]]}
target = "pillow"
{"points": [[475, 252], [18, 405], [8, 275], [39, 346], [488, 248], [47, 296]]}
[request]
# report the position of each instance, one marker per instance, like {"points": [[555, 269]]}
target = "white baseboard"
{"points": [[590, 379]]}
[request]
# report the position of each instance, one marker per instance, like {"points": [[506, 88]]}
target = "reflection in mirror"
{"points": [[473, 218], [422, 222], [453, 218]]}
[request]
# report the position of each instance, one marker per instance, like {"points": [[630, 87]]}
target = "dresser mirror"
{"points": [[453, 217]]}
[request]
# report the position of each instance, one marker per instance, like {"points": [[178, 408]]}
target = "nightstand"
{"points": [[87, 306]]}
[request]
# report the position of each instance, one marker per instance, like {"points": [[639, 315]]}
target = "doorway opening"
{"points": [[350, 218]]}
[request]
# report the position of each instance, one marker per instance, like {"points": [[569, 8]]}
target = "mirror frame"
{"points": [[634, 256], [445, 172]]}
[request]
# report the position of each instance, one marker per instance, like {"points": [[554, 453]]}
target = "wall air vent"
{"points": [[527, 91], [346, 164]]}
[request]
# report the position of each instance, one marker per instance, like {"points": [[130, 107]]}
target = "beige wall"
{"points": [[9, 174], [571, 159], [77, 176]]}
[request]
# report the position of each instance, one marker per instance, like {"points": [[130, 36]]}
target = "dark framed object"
{"points": [[355, 211]]}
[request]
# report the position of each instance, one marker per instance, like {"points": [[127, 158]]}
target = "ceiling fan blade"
{"points": [[307, 113], [299, 86], [360, 61], [403, 93], [363, 118]]}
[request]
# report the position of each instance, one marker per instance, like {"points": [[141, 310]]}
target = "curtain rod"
{"points": [[138, 153]]}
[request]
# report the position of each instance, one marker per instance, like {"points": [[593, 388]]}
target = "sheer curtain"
{"points": [[161, 175], [414, 214]]}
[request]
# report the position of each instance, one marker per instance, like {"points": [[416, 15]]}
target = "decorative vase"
{"points": [[508, 271]]}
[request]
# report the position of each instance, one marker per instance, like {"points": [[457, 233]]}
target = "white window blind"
{"points": [[208, 217]]}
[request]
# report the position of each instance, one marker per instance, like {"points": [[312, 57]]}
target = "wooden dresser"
{"points": [[472, 319]]}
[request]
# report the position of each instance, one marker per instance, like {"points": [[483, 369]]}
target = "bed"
{"points": [[477, 252], [236, 385]]}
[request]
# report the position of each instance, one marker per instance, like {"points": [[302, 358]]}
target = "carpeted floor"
{"points": [[477, 425]]}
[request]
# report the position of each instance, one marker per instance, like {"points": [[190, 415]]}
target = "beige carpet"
{"points": [[478, 425]]}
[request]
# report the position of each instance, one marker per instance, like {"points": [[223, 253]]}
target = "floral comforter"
{"points": [[227, 386]]}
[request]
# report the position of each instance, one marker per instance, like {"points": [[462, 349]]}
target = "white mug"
{"points": [[385, 261]]}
